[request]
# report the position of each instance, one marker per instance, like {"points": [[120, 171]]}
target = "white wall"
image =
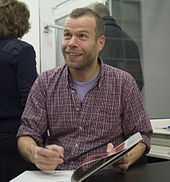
{"points": [[47, 40], [33, 35], [64, 9], [41, 14]]}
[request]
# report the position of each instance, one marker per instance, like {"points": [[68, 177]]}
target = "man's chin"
{"points": [[73, 62], [75, 66]]}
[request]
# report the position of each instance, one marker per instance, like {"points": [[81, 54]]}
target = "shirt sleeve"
{"points": [[135, 118], [34, 118], [26, 72]]}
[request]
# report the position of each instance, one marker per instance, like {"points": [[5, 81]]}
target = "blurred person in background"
{"points": [[120, 49], [17, 74]]}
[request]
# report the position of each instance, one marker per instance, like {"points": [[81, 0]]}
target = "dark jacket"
{"points": [[121, 51], [17, 74]]}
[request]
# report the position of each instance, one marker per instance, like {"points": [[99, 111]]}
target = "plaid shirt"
{"points": [[110, 112]]}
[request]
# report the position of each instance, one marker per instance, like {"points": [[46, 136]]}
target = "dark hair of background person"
{"points": [[99, 7], [120, 50], [79, 12], [14, 16]]}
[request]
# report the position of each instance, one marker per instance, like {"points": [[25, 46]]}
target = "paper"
{"points": [[38, 176]]}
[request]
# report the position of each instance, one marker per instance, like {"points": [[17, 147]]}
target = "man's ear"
{"points": [[101, 42]]}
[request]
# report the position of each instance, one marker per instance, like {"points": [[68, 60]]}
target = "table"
{"points": [[153, 172]]}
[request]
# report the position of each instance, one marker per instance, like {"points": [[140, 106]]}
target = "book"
{"points": [[93, 166]]}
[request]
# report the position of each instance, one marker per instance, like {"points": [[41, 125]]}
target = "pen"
{"points": [[166, 127], [163, 127]]}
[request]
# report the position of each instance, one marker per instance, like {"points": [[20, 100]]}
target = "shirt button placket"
{"points": [[74, 151], [72, 91], [77, 109]]}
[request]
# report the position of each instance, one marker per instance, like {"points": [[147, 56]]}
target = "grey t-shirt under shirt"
{"points": [[82, 88]]}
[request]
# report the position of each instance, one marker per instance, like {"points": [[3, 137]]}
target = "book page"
{"points": [[38, 176]]}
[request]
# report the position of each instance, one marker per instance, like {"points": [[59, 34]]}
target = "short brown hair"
{"points": [[79, 12], [14, 19]]}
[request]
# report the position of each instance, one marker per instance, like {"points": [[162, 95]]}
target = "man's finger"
{"points": [[110, 148], [58, 149]]}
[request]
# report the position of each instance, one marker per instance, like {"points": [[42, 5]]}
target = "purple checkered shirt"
{"points": [[110, 112]]}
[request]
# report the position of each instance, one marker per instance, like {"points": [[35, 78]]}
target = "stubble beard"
{"points": [[88, 59]]}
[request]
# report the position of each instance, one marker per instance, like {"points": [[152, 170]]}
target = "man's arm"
{"points": [[134, 119], [25, 144], [46, 159]]}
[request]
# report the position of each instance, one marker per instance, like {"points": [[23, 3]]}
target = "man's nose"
{"points": [[73, 41]]}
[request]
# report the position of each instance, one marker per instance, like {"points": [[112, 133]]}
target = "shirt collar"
{"points": [[68, 80]]}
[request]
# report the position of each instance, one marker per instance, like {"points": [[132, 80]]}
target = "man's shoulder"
{"points": [[116, 73], [53, 74], [115, 77]]}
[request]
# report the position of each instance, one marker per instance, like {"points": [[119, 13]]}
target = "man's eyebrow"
{"points": [[66, 30], [80, 31], [83, 31]]}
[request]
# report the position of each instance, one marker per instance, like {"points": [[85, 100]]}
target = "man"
{"points": [[120, 50], [87, 107]]}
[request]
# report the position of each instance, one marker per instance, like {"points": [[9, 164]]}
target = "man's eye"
{"points": [[67, 35], [83, 36]]}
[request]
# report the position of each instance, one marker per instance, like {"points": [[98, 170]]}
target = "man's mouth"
{"points": [[73, 51], [73, 54]]}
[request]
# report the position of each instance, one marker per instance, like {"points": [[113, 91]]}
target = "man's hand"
{"points": [[131, 157], [48, 158]]}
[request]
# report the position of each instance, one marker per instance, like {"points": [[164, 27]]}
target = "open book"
{"points": [[86, 169], [93, 166]]}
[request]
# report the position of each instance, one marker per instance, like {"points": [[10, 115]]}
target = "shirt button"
{"points": [[73, 91], [77, 109]]}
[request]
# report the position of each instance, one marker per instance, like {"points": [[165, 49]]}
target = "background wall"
{"points": [[33, 36], [156, 49], [42, 14]]}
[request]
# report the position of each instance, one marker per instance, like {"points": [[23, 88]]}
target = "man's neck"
{"points": [[86, 74]]}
